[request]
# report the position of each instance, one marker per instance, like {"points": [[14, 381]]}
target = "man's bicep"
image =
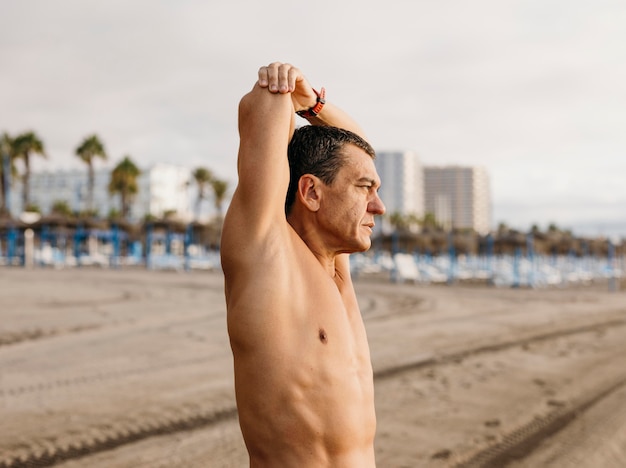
{"points": [[263, 178]]}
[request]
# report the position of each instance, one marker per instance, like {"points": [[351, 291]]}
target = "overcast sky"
{"points": [[535, 91]]}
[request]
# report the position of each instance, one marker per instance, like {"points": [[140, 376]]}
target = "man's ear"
{"points": [[309, 191]]}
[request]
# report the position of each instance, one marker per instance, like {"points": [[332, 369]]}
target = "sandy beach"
{"points": [[132, 368]]}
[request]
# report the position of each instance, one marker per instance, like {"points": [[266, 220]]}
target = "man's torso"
{"points": [[303, 374]]}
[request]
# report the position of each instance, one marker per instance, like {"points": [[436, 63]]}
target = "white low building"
{"points": [[162, 188]]}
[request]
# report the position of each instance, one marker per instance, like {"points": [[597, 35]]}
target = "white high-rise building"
{"points": [[161, 188], [401, 178], [458, 197]]}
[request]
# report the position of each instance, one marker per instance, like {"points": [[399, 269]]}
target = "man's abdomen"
{"points": [[313, 404]]}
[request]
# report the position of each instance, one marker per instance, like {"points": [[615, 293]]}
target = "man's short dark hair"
{"points": [[317, 150]]}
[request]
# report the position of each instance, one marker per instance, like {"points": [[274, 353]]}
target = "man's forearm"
{"points": [[332, 116]]}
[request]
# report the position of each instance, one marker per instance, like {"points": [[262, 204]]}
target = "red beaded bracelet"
{"points": [[317, 108]]}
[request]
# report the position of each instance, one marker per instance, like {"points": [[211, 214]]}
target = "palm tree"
{"points": [[124, 181], [62, 207], [553, 228], [430, 221], [24, 146], [413, 222], [398, 221], [202, 176], [89, 149], [503, 228], [7, 170], [220, 187]]}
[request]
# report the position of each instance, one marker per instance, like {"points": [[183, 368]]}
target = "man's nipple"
{"points": [[323, 336]]}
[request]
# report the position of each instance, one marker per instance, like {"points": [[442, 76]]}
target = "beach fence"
{"points": [[109, 246], [178, 246], [511, 259], [12, 247], [513, 270]]}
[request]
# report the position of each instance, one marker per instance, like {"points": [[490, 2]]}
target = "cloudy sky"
{"points": [[535, 90]]}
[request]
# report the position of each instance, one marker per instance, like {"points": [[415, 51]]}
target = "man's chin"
{"points": [[364, 245], [361, 247]]}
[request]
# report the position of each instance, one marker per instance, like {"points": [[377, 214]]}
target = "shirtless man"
{"points": [[303, 375]]}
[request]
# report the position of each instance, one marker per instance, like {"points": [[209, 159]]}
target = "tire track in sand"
{"points": [[194, 416]]}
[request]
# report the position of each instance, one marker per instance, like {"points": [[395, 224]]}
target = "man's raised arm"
{"points": [[265, 128]]}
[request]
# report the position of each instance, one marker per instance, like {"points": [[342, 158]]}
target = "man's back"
{"points": [[303, 376]]}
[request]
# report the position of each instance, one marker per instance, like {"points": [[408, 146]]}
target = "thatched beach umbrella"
{"points": [[508, 242]]}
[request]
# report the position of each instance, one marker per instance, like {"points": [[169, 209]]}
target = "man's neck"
{"points": [[326, 257]]}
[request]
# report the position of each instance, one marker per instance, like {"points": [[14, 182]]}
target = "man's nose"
{"points": [[377, 206]]}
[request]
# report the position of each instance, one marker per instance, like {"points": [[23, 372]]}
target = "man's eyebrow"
{"points": [[368, 179]]}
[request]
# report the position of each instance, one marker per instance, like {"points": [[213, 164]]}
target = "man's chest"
{"points": [[332, 333]]}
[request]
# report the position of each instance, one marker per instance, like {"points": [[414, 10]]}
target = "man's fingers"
{"points": [[278, 77], [293, 77], [268, 77], [273, 76], [263, 80]]}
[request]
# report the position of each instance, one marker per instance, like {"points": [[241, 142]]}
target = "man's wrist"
{"points": [[317, 108]]}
